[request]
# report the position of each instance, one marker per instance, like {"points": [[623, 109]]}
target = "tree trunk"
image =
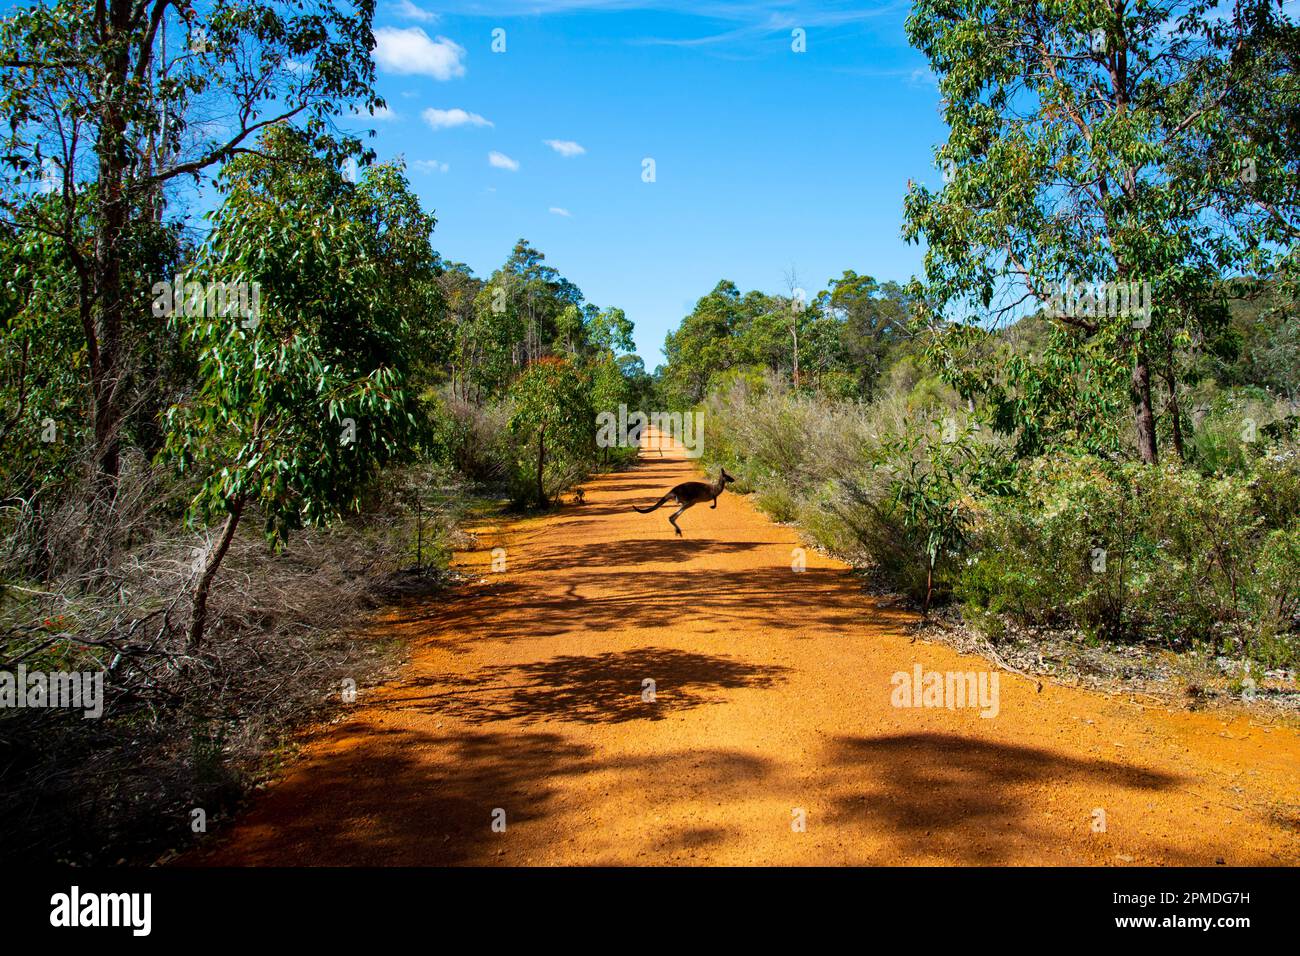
{"points": [[541, 462], [112, 149], [1175, 413], [419, 533], [1143, 414], [794, 331], [199, 604]]}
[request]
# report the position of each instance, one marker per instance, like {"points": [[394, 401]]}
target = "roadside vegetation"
{"points": [[226, 438], [1080, 424]]}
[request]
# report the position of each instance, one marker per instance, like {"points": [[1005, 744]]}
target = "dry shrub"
{"points": [[193, 729]]}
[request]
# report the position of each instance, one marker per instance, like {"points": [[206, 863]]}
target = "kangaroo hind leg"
{"points": [[672, 518]]}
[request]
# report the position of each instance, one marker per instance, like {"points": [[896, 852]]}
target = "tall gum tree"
{"points": [[1071, 127], [109, 102]]}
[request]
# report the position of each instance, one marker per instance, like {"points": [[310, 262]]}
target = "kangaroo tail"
{"points": [[646, 511]]}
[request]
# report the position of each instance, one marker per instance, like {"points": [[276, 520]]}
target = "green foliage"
{"points": [[931, 492], [1126, 119], [1276, 485], [554, 418], [841, 342], [1231, 432], [1130, 552], [295, 411], [105, 115], [40, 387], [861, 480]]}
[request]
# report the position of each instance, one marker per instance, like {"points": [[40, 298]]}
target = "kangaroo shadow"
{"points": [[604, 688], [962, 798]]}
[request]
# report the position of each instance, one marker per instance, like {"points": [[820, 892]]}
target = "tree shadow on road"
{"points": [[602, 688], [634, 553], [376, 800], [968, 800], [767, 597], [382, 796]]}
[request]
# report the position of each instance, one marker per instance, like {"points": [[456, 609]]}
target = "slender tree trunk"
{"points": [[794, 331], [541, 462], [1143, 413], [1175, 412], [199, 603], [112, 149]]}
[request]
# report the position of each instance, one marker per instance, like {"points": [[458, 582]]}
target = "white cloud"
{"points": [[446, 119], [502, 161], [382, 114], [410, 51], [429, 166], [565, 147], [51, 177], [560, 211], [409, 11]]}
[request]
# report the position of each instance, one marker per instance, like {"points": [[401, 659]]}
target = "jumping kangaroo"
{"points": [[690, 493]]}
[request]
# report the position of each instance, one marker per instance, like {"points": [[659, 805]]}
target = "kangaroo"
{"points": [[690, 493]]}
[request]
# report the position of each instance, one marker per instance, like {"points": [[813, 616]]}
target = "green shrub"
{"points": [[1276, 485], [776, 498], [1059, 547], [1275, 596], [818, 518], [1188, 559], [878, 525], [1233, 430]]}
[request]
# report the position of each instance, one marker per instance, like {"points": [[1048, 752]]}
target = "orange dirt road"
{"points": [[772, 702]]}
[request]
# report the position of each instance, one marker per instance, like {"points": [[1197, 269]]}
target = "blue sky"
{"points": [[765, 159]]}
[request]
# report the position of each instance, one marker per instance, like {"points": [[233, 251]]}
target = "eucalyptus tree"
{"points": [[298, 405], [1071, 125], [554, 419], [109, 103], [872, 319], [704, 343]]}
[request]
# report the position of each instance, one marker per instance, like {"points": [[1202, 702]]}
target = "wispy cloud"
{"points": [[565, 147], [429, 166], [920, 76], [560, 211], [410, 51], [923, 76], [409, 11], [502, 161], [446, 119], [382, 114], [758, 18]]}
